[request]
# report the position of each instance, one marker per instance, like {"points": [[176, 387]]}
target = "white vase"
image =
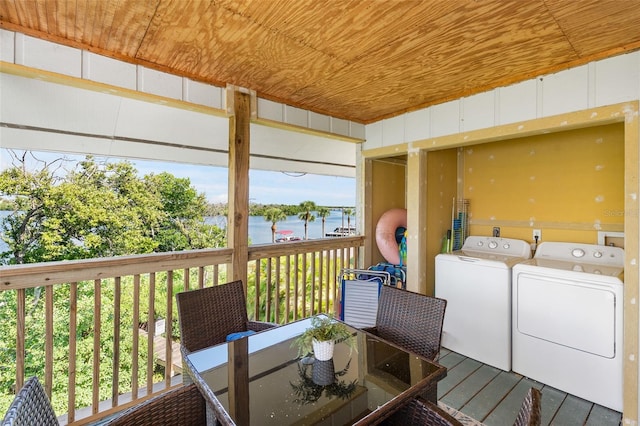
{"points": [[323, 351]]}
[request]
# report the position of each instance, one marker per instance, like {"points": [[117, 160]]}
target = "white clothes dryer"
{"points": [[476, 282], [568, 320]]}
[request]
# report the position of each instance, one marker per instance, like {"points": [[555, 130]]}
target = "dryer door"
{"points": [[574, 314]]}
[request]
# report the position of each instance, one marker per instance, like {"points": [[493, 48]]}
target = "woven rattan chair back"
{"points": [[418, 411], [31, 406], [529, 414], [183, 406], [208, 315], [411, 320]]}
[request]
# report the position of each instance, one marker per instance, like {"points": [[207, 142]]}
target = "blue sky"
{"points": [[264, 187]]}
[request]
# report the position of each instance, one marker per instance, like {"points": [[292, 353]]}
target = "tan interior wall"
{"points": [[625, 114], [388, 181], [441, 189], [570, 185]]}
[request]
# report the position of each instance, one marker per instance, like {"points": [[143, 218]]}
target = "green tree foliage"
{"points": [[24, 240], [348, 213], [306, 208], [323, 213], [260, 209], [274, 215], [99, 210], [6, 205], [183, 226], [219, 209], [90, 210]]}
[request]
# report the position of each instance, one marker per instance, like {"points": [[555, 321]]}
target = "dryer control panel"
{"points": [[581, 253]]}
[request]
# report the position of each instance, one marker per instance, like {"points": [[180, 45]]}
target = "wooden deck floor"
{"points": [[493, 396]]}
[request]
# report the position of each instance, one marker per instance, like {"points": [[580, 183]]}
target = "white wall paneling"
{"points": [[270, 110], [339, 126], [599, 83], [445, 118], [565, 91], [202, 94], [418, 125], [319, 122], [517, 102], [478, 111], [393, 130], [296, 116], [357, 130], [7, 44], [159, 83], [617, 79], [108, 71], [374, 136], [44, 55]]}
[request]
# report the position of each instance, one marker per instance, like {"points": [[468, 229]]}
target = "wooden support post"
{"points": [[631, 404], [238, 216], [417, 222]]}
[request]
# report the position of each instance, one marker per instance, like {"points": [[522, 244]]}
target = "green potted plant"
{"points": [[321, 337]]}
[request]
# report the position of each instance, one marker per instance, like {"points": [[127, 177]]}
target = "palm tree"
{"points": [[307, 207], [274, 215], [348, 212], [323, 212]]}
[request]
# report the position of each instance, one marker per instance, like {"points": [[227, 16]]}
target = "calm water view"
{"points": [[260, 229]]}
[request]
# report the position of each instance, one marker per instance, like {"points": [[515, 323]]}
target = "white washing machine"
{"points": [[476, 282], [568, 320]]}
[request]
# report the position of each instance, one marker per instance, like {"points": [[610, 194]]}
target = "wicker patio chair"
{"points": [[208, 315], [410, 320], [183, 406], [529, 414], [418, 411], [31, 406]]}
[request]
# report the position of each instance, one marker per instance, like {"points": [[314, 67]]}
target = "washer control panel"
{"points": [[501, 246], [581, 253]]}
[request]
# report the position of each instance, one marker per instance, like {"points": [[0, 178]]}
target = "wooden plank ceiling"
{"points": [[361, 60]]}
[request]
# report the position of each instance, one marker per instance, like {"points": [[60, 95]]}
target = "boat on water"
{"points": [[286, 235], [342, 231]]}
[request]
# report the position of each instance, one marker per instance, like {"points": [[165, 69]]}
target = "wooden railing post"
{"points": [[137, 282]]}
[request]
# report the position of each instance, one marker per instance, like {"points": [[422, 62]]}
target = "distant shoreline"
{"points": [[260, 229]]}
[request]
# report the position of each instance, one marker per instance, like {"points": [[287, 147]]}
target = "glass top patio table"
{"points": [[270, 385]]}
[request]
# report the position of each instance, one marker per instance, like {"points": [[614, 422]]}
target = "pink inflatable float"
{"points": [[386, 233]]}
